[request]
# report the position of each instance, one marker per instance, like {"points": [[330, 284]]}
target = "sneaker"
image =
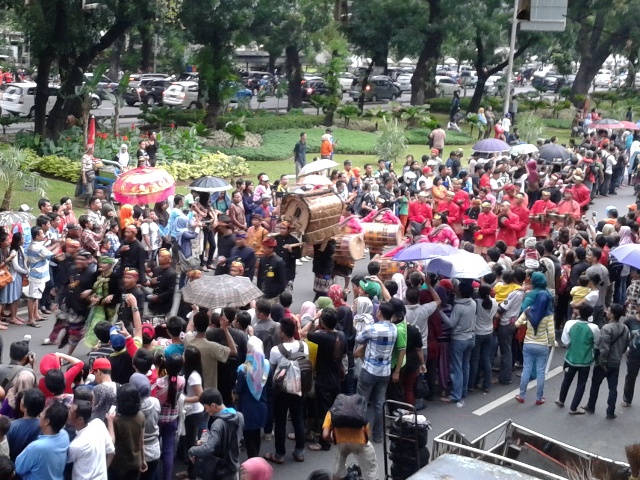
{"points": [[306, 259], [588, 410], [299, 263], [559, 403], [460, 404], [625, 404], [268, 437], [47, 341], [579, 411], [612, 416]]}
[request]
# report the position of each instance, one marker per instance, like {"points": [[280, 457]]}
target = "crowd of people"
{"points": [[167, 380]]}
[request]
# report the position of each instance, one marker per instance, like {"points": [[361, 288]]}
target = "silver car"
{"points": [[404, 82]]}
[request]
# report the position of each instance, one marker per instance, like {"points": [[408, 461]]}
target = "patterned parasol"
{"points": [[220, 291], [143, 185], [12, 218]]}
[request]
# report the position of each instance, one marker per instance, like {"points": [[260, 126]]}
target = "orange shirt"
{"points": [[326, 148], [347, 435]]}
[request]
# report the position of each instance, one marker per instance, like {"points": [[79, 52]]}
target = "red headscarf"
{"points": [[336, 294]]}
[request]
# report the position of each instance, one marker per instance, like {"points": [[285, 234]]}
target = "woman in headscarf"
{"points": [[103, 299], [256, 468], [103, 399], [126, 216], [307, 313], [537, 318], [399, 280], [336, 294], [122, 157], [362, 318], [249, 389], [23, 381]]}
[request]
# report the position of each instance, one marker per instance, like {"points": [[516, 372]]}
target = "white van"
{"points": [[181, 94], [19, 99]]}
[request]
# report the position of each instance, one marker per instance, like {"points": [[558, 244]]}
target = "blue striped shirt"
{"points": [[38, 257], [380, 339]]}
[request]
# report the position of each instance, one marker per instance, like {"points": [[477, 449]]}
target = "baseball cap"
{"points": [[264, 178], [117, 340], [149, 330], [435, 151], [269, 242], [101, 364], [372, 289]]}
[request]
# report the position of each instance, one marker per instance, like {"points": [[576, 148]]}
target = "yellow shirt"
{"points": [[578, 293], [503, 290], [346, 435]]}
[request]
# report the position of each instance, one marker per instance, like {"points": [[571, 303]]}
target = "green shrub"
{"points": [[557, 122], [443, 105], [262, 124], [165, 116], [58, 167], [216, 164]]}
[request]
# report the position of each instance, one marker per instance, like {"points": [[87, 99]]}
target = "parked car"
{"points": [[105, 85], [379, 87], [494, 84], [253, 80], [603, 78], [445, 86], [139, 77], [404, 82], [346, 80], [468, 78], [147, 91], [315, 87], [556, 82], [181, 94], [188, 77], [19, 99]]}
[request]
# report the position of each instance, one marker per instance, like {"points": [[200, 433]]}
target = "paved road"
{"points": [[481, 411]]}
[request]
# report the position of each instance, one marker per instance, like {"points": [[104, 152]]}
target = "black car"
{"points": [[147, 91], [315, 87], [253, 80]]}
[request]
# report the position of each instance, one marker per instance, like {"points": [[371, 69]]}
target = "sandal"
{"points": [[33, 324], [274, 457], [4, 327], [16, 322], [316, 447]]}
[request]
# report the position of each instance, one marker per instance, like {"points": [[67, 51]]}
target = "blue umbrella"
{"points": [[628, 254], [424, 251], [491, 145]]}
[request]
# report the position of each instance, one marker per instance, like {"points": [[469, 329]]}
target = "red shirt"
{"points": [[419, 212], [582, 195], [485, 181], [488, 226], [461, 198], [508, 229]]}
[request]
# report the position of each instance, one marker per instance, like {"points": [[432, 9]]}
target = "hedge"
{"points": [[58, 167], [563, 123], [420, 136], [262, 124]]}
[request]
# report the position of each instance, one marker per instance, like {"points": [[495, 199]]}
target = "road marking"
{"points": [[509, 396]]}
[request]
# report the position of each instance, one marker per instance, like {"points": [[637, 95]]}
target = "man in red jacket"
{"points": [[581, 193], [461, 198], [454, 214], [419, 210], [508, 227], [542, 225], [519, 207], [487, 226]]}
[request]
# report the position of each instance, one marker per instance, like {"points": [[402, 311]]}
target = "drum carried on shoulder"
{"points": [[379, 235], [388, 267], [349, 248]]}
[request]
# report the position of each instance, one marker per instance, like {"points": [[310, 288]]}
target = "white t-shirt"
{"points": [[191, 408], [275, 355], [591, 298], [88, 452], [151, 229]]}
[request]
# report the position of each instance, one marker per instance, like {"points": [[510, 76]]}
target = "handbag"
{"points": [[5, 276], [25, 280]]}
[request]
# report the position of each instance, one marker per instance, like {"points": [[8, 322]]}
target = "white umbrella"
{"points": [[450, 61], [523, 149], [460, 265], [314, 180], [317, 166]]}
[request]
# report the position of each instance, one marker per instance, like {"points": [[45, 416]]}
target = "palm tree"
{"points": [[14, 170]]}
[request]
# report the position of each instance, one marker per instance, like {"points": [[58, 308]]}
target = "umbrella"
{"points": [[13, 218], [608, 124], [317, 166], [490, 145], [630, 125], [460, 265], [143, 185], [314, 180], [552, 152], [210, 184], [628, 254], [221, 291], [523, 149], [424, 251]]}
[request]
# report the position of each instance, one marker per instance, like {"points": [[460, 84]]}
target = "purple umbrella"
{"points": [[424, 251], [491, 145]]}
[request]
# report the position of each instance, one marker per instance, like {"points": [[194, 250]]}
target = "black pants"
{"points": [[569, 373], [210, 240], [633, 367], [432, 376], [252, 442], [151, 470], [193, 426], [599, 374], [282, 404], [506, 342], [325, 396]]}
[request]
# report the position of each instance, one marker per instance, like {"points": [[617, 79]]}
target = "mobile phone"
{"points": [[120, 325], [112, 410]]}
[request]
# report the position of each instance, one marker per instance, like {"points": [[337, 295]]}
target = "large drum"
{"points": [[315, 214], [387, 267], [378, 235], [349, 248]]}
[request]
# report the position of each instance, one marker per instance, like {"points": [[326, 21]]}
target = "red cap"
{"points": [[435, 151], [270, 242], [426, 170], [148, 329], [49, 362], [101, 364]]}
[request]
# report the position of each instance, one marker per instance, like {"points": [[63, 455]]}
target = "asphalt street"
{"points": [[481, 412]]}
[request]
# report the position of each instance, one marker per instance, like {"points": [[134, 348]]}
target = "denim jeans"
{"points": [[374, 389], [569, 373], [505, 339], [534, 354], [459, 361], [599, 374], [168, 438], [481, 362]]}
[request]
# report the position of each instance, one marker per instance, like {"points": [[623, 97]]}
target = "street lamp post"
{"points": [[512, 47]]}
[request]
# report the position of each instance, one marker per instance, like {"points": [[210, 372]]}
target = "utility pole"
{"points": [[512, 48]]}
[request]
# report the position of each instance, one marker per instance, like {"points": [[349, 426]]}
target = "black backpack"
{"points": [[349, 411]]}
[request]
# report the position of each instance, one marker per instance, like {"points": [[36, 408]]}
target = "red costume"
{"points": [[487, 228], [509, 226], [461, 198], [523, 215], [454, 215], [582, 195], [541, 207], [570, 207], [419, 212]]}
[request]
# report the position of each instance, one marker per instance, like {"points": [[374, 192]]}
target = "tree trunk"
{"points": [[8, 194], [423, 81], [633, 64], [42, 93], [146, 49], [294, 76], [589, 66], [272, 62], [67, 102], [116, 57], [379, 59], [213, 108], [476, 99]]}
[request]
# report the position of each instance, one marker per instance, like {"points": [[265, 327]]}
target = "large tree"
{"points": [[216, 25]]}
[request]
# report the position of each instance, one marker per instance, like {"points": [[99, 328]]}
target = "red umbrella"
{"points": [[629, 126], [143, 185], [91, 132], [608, 124]]}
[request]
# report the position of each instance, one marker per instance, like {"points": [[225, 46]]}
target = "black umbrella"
{"points": [[553, 153], [210, 184]]}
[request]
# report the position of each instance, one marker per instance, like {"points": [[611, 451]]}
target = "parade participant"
{"points": [[568, 206], [243, 254], [519, 207], [420, 211], [470, 220], [383, 214], [163, 283], [272, 271], [541, 224], [581, 193], [289, 249], [442, 232], [256, 234], [452, 210], [349, 225], [461, 197], [487, 227], [131, 253], [322, 267], [508, 226], [103, 299], [130, 277]]}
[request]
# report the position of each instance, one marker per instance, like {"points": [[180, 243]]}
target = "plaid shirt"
{"points": [[89, 242], [380, 338], [633, 294]]}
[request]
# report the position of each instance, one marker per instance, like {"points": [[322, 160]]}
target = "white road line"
{"points": [[509, 396]]}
